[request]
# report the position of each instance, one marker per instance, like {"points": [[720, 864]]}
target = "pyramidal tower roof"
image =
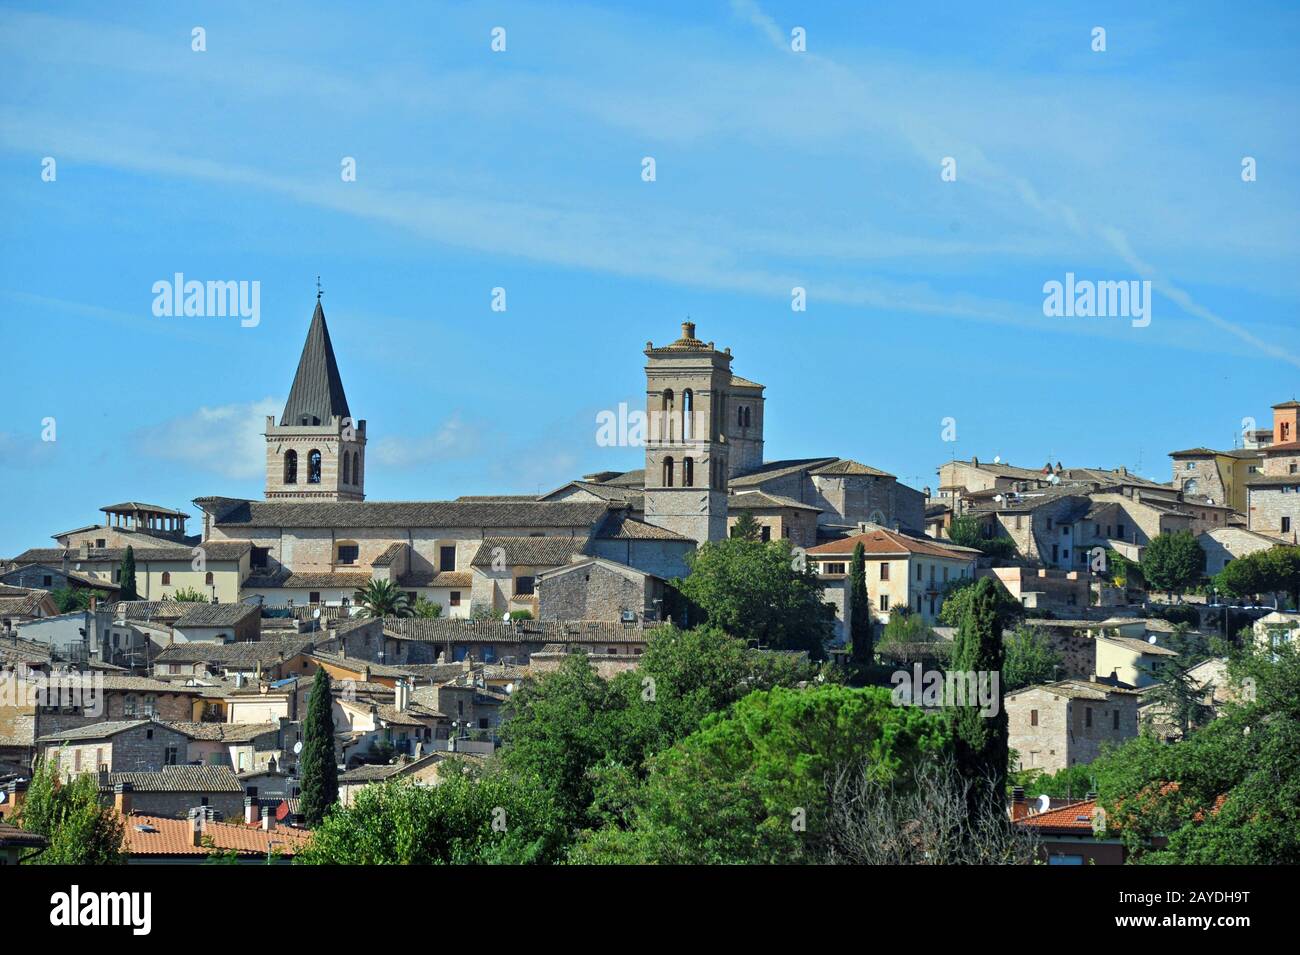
{"points": [[317, 391]]}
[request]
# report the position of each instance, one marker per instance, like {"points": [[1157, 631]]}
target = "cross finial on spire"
{"points": [[319, 291]]}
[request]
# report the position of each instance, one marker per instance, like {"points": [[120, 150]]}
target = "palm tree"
{"points": [[381, 598]]}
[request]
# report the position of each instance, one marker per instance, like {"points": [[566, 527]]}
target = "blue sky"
{"points": [[522, 170]]}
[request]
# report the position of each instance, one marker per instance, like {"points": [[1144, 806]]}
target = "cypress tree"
{"points": [[319, 772], [979, 740], [127, 576], [860, 613]]}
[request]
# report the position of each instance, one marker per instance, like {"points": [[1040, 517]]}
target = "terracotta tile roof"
{"points": [[159, 836], [754, 500], [528, 551], [881, 542], [24, 605], [216, 615], [12, 836], [249, 653], [619, 525], [223, 732], [441, 578], [1140, 646], [845, 466], [229, 512], [181, 779], [94, 731], [389, 555], [1075, 817], [772, 470]]}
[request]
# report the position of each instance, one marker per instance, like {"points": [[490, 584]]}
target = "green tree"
{"points": [[190, 595], [80, 830], [1272, 571], [1173, 562], [746, 528], [1228, 793], [1282, 571], [905, 626], [752, 784], [320, 773], [69, 599], [957, 595], [127, 576], [1175, 693], [980, 739], [965, 532], [1030, 659], [860, 617], [579, 735], [762, 592], [382, 598], [493, 818], [426, 608]]}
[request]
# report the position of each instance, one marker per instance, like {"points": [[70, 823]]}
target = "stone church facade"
{"points": [[315, 538]]}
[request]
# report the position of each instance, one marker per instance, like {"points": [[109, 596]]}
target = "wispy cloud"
{"points": [[221, 439]]}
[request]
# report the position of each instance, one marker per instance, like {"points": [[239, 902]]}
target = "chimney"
{"points": [[17, 793], [250, 810], [1019, 808], [83, 551], [198, 827], [1091, 797], [401, 696], [122, 798], [268, 819]]}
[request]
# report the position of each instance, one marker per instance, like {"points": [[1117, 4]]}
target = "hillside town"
{"points": [[245, 678]]}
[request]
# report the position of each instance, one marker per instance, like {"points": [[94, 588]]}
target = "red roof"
{"points": [[1073, 817], [157, 835], [890, 542]]}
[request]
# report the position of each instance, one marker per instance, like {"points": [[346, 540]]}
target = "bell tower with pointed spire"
{"points": [[316, 452]]}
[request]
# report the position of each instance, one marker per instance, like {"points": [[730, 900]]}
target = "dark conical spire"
{"points": [[317, 391]]}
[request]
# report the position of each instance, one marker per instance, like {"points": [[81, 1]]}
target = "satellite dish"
{"points": [[510, 688], [998, 498], [1044, 802], [1151, 639], [1054, 479], [997, 459], [3, 795], [505, 617], [297, 747], [316, 613]]}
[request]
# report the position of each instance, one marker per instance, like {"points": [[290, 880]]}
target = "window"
{"points": [[1115, 722], [1121, 530], [525, 586], [668, 472], [836, 568], [1286, 525], [884, 601], [47, 581], [1087, 716], [611, 651], [347, 467], [1189, 466], [1033, 717], [688, 472], [100, 542], [919, 572], [291, 467], [884, 570], [765, 534], [166, 578], [348, 553], [170, 756], [688, 410], [356, 467], [313, 467], [447, 557], [454, 600], [129, 705], [313, 596], [207, 578]]}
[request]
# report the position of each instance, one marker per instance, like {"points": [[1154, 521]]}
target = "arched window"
{"points": [[347, 467], [668, 472], [688, 472], [313, 467], [291, 467], [747, 418], [688, 409], [167, 578], [207, 578], [356, 468]]}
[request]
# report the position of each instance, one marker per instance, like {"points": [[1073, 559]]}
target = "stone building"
{"points": [[1065, 724], [598, 589], [316, 452], [1273, 496], [173, 791], [115, 747]]}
